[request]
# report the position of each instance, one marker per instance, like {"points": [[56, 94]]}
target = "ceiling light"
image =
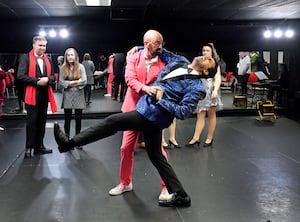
{"points": [[63, 33], [42, 33], [267, 34], [93, 2], [289, 33], [52, 33], [278, 33]]}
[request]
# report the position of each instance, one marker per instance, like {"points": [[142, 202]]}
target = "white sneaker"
{"points": [[120, 189], [164, 195], [2, 128]]}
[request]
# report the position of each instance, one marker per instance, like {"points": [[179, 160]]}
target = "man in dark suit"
{"points": [[36, 72], [119, 73]]}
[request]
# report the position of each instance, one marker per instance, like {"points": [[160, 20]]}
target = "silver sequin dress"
{"points": [[207, 102]]}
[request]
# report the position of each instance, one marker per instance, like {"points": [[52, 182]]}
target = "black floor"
{"points": [[252, 174]]}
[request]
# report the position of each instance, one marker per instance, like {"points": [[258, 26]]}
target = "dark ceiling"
{"points": [[229, 10]]}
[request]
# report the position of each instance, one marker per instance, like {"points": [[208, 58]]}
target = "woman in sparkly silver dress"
{"points": [[210, 104]]}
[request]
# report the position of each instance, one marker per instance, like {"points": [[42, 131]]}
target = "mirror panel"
{"points": [[10, 61]]}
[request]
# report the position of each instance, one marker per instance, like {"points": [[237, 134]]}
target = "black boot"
{"points": [[64, 143]]}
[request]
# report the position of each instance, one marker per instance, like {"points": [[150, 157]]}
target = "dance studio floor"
{"points": [[252, 174]]}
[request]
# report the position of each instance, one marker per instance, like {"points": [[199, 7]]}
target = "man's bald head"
{"points": [[153, 43], [152, 35]]}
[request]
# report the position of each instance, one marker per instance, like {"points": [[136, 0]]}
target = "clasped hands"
{"points": [[43, 81], [154, 91], [74, 83]]}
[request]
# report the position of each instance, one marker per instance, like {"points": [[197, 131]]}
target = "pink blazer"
{"points": [[136, 77], [2, 85], [110, 69]]}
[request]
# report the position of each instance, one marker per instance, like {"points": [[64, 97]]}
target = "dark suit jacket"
{"points": [[23, 69]]}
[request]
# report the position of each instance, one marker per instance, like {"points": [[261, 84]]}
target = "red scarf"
{"points": [[30, 96]]}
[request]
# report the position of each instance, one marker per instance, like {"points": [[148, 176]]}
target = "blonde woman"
{"points": [[72, 77]]}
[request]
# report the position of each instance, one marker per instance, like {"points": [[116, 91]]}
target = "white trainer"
{"points": [[120, 189], [164, 195]]}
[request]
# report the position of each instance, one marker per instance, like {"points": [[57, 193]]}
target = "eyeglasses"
{"points": [[158, 43]]}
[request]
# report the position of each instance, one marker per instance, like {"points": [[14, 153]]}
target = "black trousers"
{"points": [[152, 135], [68, 118], [36, 123], [119, 81], [87, 92], [243, 79], [20, 93]]}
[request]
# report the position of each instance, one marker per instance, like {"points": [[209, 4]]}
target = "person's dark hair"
{"points": [[215, 55], [60, 60], [102, 57], [213, 70], [86, 56]]}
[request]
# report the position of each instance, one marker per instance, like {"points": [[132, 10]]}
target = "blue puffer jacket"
{"points": [[180, 95]]}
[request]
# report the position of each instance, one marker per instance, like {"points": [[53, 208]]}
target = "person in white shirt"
{"points": [[244, 68]]}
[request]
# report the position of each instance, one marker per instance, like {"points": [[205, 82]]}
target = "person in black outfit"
{"points": [[100, 80], [20, 91], [281, 85], [119, 73], [36, 72]]}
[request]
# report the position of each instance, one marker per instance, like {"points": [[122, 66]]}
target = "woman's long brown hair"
{"points": [[67, 66]]}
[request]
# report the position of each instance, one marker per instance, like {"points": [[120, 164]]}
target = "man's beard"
{"points": [[156, 53]]}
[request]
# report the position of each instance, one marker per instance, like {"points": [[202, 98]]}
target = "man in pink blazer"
{"points": [[142, 70]]}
